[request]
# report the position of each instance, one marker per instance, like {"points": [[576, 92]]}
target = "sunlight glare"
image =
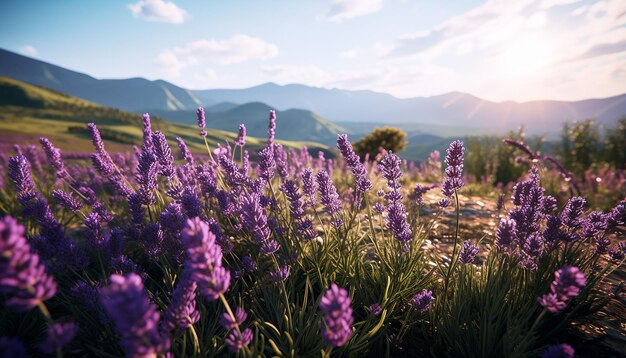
{"points": [[526, 56]]}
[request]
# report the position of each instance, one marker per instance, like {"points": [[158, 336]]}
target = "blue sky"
{"points": [[498, 50]]}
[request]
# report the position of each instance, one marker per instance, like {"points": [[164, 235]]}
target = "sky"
{"points": [[498, 50]]}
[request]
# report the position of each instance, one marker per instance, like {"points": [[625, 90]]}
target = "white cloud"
{"points": [[347, 9], [348, 54], [28, 50], [518, 50], [237, 49], [158, 10], [170, 63], [205, 77], [309, 74]]}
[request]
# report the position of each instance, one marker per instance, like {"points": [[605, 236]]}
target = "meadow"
{"points": [[257, 248]]}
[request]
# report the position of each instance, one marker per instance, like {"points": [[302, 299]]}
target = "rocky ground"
{"points": [[605, 336]]}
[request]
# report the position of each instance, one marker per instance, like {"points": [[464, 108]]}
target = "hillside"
{"points": [[292, 124], [128, 94], [28, 112]]}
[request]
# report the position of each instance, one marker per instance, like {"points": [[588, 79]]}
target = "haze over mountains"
{"points": [[449, 114]]}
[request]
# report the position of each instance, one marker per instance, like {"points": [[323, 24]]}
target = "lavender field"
{"points": [[324, 178], [160, 252]]}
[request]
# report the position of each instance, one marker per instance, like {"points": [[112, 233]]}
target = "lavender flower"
{"points": [[147, 133], [236, 341], [248, 264], [419, 191], [227, 321], [281, 161], [184, 151], [563, 350], [269, 247], [190, 202], [66, 200], [361, 179], [553, 233], [454, 170], [337, 322], [241, 136], [163, 154], [281, 274], [201, 121], [19, 172], [468, 252], [54, 156], [397, 216], [152, 238], [552, 303], [375, 309], [572, 214], [182, 311], [309, 186], [328, 193], [595, 225], [568, 281], [21, 274], [204, 259], [103, 166], [96, 139], [136, 319], [617, 254], [146, 177], [290, 188], [506, 235], [58, 336], [271, 132], [136, 208], [267, 165], [422, 301], [254, 219]]}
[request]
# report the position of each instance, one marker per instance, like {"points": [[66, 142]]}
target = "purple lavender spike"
{"points": [[22, 275], [241, 136], [204, 259], [337, 322], [136, 319]]}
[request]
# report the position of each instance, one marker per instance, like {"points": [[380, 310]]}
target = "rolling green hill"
{"points": [[127, 94], [28, 112], [292, 124]]}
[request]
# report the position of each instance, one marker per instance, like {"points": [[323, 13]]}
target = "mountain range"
{"points": [[329, 110]]}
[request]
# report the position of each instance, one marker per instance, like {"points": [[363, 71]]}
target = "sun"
{"points": [[526, 56]]}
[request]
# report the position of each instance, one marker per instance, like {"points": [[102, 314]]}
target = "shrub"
{"points": [[388, 138]]}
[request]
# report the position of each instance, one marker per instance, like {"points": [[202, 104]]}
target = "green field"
{"points": [[28, 112]]}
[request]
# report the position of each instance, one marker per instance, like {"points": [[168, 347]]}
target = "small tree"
{"points": [[615, 145], [387, 138], [580, 146]]}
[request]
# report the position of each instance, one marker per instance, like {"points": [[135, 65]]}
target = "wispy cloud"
{"points": [[28, 50], [348, 54], [341, 10], [159, 11], [285, 74], [237, 49], [524, 44]]}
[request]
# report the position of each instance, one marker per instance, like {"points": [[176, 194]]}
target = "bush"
{"points": [[389, 139]]}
